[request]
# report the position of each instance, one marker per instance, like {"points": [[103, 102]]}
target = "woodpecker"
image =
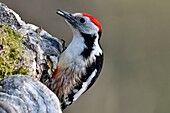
{"points": [[81, 62]]}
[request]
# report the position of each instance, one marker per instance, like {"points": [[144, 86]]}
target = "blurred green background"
{"points": [[136, 42]]}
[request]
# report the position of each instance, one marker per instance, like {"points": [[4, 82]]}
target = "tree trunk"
{"points": [[26, 49]]}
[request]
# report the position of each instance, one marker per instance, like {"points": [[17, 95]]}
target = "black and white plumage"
{"points": [[80, 64]]}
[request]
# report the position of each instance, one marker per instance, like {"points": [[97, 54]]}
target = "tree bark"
{"points": [[26, 49]]}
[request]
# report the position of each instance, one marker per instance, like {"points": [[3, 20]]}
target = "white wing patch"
{"points": [[85, 85]]}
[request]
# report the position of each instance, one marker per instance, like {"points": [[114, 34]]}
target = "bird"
{"points": [[80, 64]]}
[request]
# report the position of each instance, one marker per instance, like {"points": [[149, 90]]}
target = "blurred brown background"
{"points": [[136, 41]]}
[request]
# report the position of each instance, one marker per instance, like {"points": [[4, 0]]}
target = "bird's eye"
{"points": [[82, 20]]}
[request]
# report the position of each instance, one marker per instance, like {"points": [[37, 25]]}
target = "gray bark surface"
{"points": [[26, 94]]}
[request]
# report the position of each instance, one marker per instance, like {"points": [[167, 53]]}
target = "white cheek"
{"points": [[90, 29]]}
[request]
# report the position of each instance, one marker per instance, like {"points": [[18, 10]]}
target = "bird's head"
{"points": [[82, 22]]}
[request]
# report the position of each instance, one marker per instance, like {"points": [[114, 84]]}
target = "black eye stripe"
{"points": [[82, 20]]}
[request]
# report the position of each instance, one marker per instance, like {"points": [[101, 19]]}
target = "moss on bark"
{"points": [[11, 49]]}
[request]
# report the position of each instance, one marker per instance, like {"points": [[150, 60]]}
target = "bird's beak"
{"points": [[68, 16]]}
